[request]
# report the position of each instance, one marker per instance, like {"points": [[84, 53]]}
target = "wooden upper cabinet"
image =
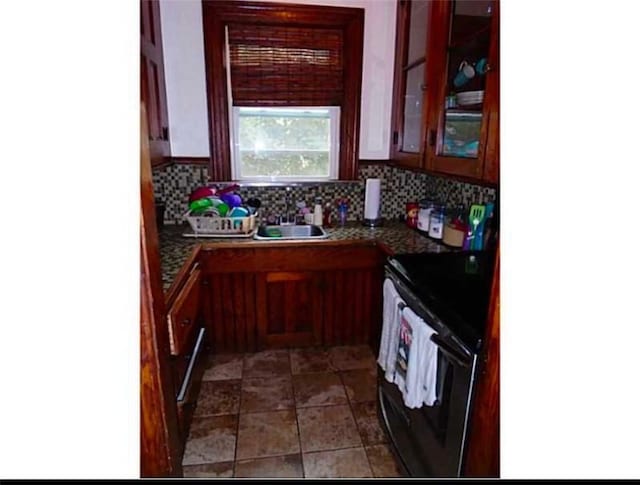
{"points": [[152, 82], [446, 103], [463, 77]]}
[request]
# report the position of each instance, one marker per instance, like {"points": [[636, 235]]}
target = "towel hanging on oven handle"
{"points": [[454, 355]]}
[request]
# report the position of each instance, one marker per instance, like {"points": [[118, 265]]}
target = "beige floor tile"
{"points": [[211, 440], [327, 428], [308, 360], [320, 389], [360, 384], [209, 470], [352, 357], [382, 461], [266, 394], [265, 434], [289, 466], [268, 363], [346, 463], [368, 423], [223, 367], [218, 398]]}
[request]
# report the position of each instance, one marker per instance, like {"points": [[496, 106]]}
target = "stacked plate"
{"points": [[469, 97]]}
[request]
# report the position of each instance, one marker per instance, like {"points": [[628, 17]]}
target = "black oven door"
{"points": [[430, 440]]}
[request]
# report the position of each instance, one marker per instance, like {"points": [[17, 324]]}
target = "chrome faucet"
{"points": [[287, 218]]}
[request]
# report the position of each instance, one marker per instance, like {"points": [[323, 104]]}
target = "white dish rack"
{"points": [[216, 226]]}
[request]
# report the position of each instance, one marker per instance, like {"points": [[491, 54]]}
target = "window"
{"points": [[283, 83], [285, 143]]}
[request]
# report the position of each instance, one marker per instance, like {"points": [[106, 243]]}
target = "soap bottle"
{"points": [[327, 215], [317, 212]]}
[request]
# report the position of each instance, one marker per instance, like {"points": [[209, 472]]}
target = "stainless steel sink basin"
{"points": [[278, 233]]}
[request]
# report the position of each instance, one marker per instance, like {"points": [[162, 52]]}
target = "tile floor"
{"points": [[289, 414]]}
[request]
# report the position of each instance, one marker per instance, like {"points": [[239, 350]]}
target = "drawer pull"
{"points": [[192, 361], [186, 321]]}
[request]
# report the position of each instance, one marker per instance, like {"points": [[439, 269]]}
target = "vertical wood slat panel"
{"points": [[376, 309], [217, 322], [348, 302], [366, 307], [338, 328], [349, 290], [328, 317], [289, 311], [228, 313], [275, 308], [357, 306], [261, 315], [317, 304], [239, 312], [308, 295], [250, 302]]}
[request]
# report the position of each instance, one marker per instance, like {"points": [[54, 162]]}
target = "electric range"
{"points": [[450, 292], [455, 286]]}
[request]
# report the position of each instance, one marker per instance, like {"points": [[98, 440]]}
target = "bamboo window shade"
{"points": [[274, 65]]}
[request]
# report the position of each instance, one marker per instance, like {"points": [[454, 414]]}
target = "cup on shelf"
{"points": [[481, 66], [465, 72]]}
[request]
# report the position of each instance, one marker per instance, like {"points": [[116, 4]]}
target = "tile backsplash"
{"points": [[174, 183]]}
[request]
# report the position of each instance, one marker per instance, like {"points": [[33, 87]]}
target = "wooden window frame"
{"points": [[216, 14]]}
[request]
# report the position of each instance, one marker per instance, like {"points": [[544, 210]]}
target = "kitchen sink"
{"points": [[278, 233]]}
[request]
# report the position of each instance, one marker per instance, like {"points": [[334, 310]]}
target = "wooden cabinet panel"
{"points": [[159, 433], [464, 31], [289, 313], [351, 306], [231, 320], [293, 296], [435, 129], [152, 81], [410, 84], [183, 314]]}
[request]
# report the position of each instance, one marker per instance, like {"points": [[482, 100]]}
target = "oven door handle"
{"points": [[461, 360]]}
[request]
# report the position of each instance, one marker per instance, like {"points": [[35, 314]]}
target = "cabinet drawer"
{"points": [[184, 313]]}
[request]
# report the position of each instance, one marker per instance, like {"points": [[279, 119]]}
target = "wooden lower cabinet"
{"points": [[293, 296], [186, 317]]}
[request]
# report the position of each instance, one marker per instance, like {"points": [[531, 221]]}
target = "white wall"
{"points": [[183, 44]]}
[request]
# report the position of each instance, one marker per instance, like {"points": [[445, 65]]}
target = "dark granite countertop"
{"points": [[175, 248]]}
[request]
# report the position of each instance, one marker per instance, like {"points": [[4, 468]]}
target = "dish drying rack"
{"points": [[216, 226]]}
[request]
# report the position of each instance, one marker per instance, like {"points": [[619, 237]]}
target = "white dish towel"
{"points": [[416, 361], [390, 327]]}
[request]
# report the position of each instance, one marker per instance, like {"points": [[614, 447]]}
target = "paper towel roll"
{"points": [[372, 199]]}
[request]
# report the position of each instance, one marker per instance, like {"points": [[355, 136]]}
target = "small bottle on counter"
{"points": [[343, 207], [426, 205], [326, 221], [436, 222], [317, 212]]}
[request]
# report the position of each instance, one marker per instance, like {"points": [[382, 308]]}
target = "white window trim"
{"points": [[334, 150]]}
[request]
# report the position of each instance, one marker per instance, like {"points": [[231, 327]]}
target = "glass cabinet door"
{"points": [[410, 77], [467, 63]]}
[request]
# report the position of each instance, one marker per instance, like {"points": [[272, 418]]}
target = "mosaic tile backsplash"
{"points": [[174, 183]]}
